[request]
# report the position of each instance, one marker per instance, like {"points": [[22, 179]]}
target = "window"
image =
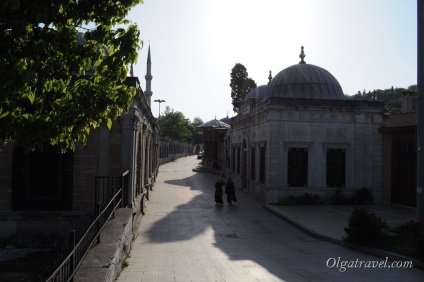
{"points": [[238, 160], [297, 174], [42, 179], [253, 163], [262, 152], [336, 167]]}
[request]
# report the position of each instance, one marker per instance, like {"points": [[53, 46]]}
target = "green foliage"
{"points": [[197, 121], [391, 97], [365, 227], [364, 196], [414, 233], [46, 95], [338, 197], [248, 85], [405, 240], [197, 133], [305, 199], [240, 85], [125, 248], [174, 126]]}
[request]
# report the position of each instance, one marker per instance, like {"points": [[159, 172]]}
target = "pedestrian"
{"points": [[218, 191], [230, 191]]}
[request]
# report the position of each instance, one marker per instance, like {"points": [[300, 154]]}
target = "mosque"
{"points": [[300, 134]]}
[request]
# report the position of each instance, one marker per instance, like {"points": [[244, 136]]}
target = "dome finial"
{"points": [[269, 77], [302, 56]]}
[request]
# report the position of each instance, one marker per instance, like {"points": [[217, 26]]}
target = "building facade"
{"points": [[299, 134], [399, 133], [43, 192]]}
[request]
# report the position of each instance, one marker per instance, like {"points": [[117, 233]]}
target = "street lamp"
{"points": [[159, 101]]}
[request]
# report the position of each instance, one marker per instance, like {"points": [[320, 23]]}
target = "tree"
{"points": [[248, 85], [47, 96], [391, 97], [240, 85], [174, 126], [197, 121], [197, 132]]}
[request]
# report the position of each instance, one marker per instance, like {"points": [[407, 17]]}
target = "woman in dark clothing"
{"points": [[230, 191], [218, 191]]}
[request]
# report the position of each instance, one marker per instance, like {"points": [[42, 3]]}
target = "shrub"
{"points": [[415, 231], [305, 199], [364, 196], [338, 197], [364, 227]]}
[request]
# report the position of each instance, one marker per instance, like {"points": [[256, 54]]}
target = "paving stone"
{"points": [[243, 242]]}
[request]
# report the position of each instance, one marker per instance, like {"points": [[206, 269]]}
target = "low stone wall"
{"points": [[103, 261]]}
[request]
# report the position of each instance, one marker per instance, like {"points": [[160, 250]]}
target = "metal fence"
{"points": [[105, 189], [108, 198]]}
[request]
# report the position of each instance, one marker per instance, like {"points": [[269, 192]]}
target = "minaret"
{"points": [[148, 78]]}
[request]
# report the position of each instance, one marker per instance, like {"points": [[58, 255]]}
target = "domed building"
{"points": [[299, 134]]}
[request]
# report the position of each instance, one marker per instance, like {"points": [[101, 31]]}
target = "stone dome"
{"points": [[226, 119], [305, 81], [257, 93]]}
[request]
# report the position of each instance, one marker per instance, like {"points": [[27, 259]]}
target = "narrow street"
{"points": [[184, 236]]}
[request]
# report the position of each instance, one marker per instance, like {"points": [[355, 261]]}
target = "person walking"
{"points": [[230, 191], [218, 191]]}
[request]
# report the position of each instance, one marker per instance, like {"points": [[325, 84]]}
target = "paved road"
{"points": [[186, 237]]}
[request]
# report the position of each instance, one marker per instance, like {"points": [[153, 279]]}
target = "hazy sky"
{"points": [[365, 44]]}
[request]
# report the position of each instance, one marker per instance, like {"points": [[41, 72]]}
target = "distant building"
{"points": [[214, 131]]}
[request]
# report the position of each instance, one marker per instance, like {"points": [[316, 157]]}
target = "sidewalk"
{"points": [[182, 222], [185, 236], [327, 222], [330, 220]]}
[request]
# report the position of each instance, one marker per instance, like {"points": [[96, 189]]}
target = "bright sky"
{"points": [[365, 44]]}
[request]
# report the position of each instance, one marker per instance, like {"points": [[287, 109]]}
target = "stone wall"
{"points": [[85, 171], [316, 129]]}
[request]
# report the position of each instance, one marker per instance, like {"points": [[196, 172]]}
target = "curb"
{"points": [[374, 252]]}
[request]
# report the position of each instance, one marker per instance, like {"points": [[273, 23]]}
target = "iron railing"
{"points": [[68, 268], [104, 188]]}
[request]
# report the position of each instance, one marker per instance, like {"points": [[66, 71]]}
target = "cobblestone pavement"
{"points": [[184, 236]]}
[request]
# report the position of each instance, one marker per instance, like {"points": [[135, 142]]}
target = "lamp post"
{"points": [[159, 101]]}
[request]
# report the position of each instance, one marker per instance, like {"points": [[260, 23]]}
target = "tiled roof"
{"points": [[258, 94], [305, 81], [401, 119], [217, 124]]}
